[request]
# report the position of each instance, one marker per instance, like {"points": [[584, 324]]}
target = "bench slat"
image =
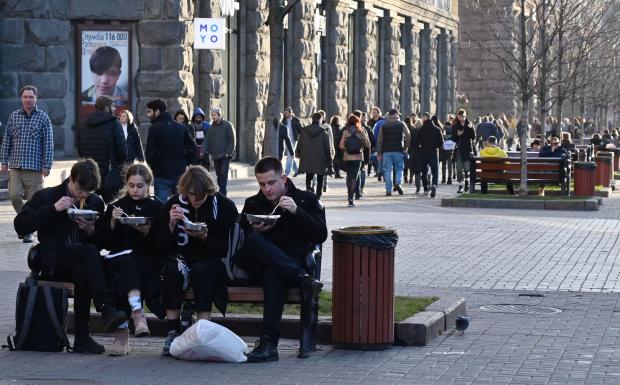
{"points": [[235, 294]]}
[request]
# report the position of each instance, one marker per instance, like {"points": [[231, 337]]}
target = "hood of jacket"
{"points": [[98, 118], [198, 111], [314, 130], [493, 152]]}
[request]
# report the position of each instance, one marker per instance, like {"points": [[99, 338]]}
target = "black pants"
{"points": [[202, 277], [81, 264], [429, 161], [319, 183], [268, 265], [221, 170], [352, 168]]}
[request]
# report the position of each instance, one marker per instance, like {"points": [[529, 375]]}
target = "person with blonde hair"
{"points": [[134, 143], [195, 252]]}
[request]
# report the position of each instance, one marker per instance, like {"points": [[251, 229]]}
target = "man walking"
{"points": [[27, 150], [430, 141], [315, 151], [221, 146], [201, 128], [169, 149], [463, 134], [293, 127], [393, 140], [102, 139]]}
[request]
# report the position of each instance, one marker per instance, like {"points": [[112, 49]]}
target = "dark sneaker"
{"points": [[433, 191], [172, 334], [449, 181], [86, 344], [399, 189], [351, 204], [112, 318], [425, 192], [388, 194], [265, 350], [417, 190], [309, 286]]}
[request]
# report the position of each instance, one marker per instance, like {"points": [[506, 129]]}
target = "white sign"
{"points": [[401, 57], [210, 33]]}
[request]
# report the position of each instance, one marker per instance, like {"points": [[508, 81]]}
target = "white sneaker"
{"points": [[120, 344]]}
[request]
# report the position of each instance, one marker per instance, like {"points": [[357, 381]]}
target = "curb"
{"points": [[421, 328], [588, 204], [417, 330], [603, 193]]}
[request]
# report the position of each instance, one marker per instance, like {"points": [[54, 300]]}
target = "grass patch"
{"points": [[404, 307], [517, 197]]}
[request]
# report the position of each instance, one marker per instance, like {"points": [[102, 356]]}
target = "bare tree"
{"points": [[275, 20]]}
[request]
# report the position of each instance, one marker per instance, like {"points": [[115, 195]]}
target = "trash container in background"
{"points": [[363, 287], [616, 152], [584, 179], [604, 168]]}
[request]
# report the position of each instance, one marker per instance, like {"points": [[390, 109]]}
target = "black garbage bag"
{"points": [[375, 237]]}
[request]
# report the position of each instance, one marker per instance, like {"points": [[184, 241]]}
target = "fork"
{"points": [[121, 209], [274, 209]]}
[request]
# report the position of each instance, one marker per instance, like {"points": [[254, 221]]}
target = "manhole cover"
{"points": [[520, 309]]}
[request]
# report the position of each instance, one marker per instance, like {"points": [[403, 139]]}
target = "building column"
{"points": [[410, 100], [336, 12], [452, 54], [443, 75], [391, 68], [304, 84], [166, 58], [253, 78], [365, 75], [428, 70]]}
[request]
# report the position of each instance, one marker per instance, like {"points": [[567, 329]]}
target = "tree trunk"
{"points": [[525, 98], [276, 70]]}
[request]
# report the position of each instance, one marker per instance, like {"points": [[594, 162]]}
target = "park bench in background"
{"points": [[540, 171]]}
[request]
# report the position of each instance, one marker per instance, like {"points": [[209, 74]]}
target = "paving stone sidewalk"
{"points": [[563, 260]]}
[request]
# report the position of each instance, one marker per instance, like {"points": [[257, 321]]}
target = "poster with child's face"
{"points": [[104, 67]]}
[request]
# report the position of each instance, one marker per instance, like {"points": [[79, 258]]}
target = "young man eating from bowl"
{"points": [[67, 250], [197, 221], [273, 253]]}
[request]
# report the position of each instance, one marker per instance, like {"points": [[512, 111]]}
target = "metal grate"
{"points": [[520, 309]]}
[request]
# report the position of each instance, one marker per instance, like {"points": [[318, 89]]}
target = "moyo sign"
{"points": [[210, 33]]}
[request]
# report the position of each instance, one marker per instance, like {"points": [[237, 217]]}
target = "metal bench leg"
{"points": [[314, 325], [305, 321]]}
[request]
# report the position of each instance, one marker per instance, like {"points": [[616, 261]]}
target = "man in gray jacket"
{"points": [[221, 146]]}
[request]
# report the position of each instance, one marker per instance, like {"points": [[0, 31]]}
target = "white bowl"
{"points": [[266, 219]]}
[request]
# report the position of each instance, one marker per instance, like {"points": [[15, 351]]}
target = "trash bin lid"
{"points": [[364, 230], [585, 165], [376, 237]]}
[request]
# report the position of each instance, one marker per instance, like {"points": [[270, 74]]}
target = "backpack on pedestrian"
{"points": [[353, 144], [40, 319]]}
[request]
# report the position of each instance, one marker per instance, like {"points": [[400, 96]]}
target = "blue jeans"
{"points": [[165, 188], [392, 160], [291, 162]]}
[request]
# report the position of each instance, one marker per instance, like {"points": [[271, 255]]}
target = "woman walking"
{"points": [[354, 140]]}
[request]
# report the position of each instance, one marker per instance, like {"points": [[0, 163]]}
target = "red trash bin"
{"points": [[616, 159], [604, 168], [363, 287], [585, 179]]}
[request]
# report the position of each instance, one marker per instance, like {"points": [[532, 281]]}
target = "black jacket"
{"points": [[464, 141], [169, 147], [283, 139], [134, 144], [295, 125], [296, 234], [315, 150], [218, 212], [54, 229], [548, 152], [101, 138], [125, 237], [430, 138]]}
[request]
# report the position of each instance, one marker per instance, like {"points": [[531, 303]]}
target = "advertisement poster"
{"points": [[104, 67]]}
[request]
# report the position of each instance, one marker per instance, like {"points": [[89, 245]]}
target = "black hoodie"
{"points": [[101, 138], [169, 147], [315, 150]]}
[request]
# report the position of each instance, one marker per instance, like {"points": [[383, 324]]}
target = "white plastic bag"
{"points": [[208, 341]]}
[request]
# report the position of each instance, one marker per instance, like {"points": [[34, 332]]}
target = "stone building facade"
{"points": [[339, 55]]}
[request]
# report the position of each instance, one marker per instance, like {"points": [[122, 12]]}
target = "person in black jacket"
{"points": [[430, 141], [293, 127], [196, 254], [134, 143], [284, 141], [463, 135], [274, 254], [169, 149], [133, 265], [67, 250], [101, 138]]}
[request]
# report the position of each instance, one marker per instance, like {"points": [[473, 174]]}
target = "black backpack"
{"points": [[40, 319], [353, 144]]}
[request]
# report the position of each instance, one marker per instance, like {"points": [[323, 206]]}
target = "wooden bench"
{"points": [[541, 171], [309, 316]]}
